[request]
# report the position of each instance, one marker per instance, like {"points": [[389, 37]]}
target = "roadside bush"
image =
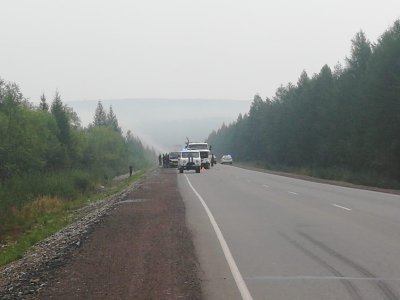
{"points": [[82, 181]]}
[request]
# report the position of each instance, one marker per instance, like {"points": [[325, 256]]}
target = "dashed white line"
{"points": [[342, 207], [244, 291], [293, 193], [264, 185]]}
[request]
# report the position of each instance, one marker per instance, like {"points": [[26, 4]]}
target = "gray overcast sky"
{"points": [[104, 49]]}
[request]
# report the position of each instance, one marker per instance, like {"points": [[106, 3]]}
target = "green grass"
{"points": [[45, 226], [35, 223]]}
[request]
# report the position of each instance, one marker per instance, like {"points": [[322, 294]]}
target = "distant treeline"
{"points": [[44, 150], [344, 119]]}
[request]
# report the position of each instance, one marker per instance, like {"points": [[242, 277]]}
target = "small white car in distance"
{"points": [[189, 160], [226, 159]]}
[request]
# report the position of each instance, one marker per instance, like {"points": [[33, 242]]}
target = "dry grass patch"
{"points": [[41, 206]]}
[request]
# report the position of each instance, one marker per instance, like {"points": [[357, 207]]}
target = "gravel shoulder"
{"points": [[132, 245]]}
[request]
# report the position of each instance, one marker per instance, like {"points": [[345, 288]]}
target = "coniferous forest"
{"points": [[45, 152], [341, 124]]}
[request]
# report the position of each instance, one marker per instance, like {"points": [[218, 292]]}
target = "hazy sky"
{"points": [[103, 49]]}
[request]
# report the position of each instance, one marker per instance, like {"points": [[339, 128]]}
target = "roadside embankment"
{"points": [[132, 245]]}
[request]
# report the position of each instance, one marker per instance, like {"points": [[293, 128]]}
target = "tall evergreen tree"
{"points": [[43, 103], [100, 116], [382, 107], [59, 112], [112, 120], [360, 54]]}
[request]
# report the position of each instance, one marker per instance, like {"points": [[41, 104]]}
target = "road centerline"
{"points": [[241, 284], [342, 207]]}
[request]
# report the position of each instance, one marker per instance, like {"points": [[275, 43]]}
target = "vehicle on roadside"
{"points": [[226, 159], [173, 159], [189, 160], [204, 153]]}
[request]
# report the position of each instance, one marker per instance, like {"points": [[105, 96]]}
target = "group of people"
{"points": [[163, 160]]}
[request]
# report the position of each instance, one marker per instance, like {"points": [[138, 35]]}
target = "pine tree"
{"points": [[61, 116], [100, 116], [360, 53], [43, 104], [112, 120]]}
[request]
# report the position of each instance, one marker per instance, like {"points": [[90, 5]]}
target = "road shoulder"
{"points": [[139, 249], [216, 277]]}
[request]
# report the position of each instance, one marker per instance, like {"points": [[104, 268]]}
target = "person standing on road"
{"points": [[159, 160], [130, 171]]}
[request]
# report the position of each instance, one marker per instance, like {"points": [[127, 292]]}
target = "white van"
{"points": [[189, 160], [204, 153]]}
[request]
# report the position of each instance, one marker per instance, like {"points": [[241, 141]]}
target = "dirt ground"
{"points": [[141, 250]]}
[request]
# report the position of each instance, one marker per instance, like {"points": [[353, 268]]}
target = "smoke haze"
{"points": [[165, 123]]}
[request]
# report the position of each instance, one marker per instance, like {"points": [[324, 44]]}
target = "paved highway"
{"points": [[262, 236]]}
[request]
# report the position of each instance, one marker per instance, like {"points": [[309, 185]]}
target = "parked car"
{"points": [[226, 159], [189, 160], [173, 159]]}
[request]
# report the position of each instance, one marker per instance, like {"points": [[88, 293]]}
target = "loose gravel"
{"points": [[30, 274]]}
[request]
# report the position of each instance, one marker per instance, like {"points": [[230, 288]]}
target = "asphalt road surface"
{"points": [[285, 238]]}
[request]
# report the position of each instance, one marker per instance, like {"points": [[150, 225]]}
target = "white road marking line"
{"points": [[303, 277], [244, 291], [293, 193], [267, 186], [342, 207]]}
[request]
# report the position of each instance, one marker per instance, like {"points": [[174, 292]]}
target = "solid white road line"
{"points": [[244, 291], [342, 207], [305, 277]]}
